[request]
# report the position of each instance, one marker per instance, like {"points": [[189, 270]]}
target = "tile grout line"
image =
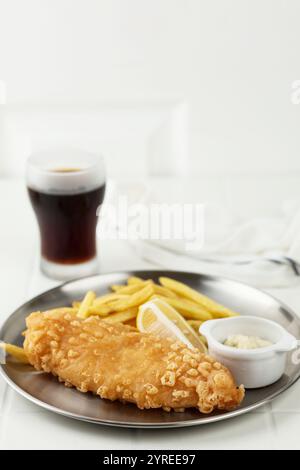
{"points": [[271, 416], [288, 412], [271, 423], [4, 397]]}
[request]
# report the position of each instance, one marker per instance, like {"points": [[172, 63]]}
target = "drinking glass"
{"points": [[66, 188]]}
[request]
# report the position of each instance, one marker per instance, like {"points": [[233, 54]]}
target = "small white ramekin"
{"points": [[253, 368]]}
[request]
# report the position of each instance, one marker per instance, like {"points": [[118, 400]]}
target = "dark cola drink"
{"points": [[65, 194], [67, 224]]}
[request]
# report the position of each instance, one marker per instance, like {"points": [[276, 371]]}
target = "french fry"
{"points": [[116, 287], [132, 288], [122, 317], [85, 304], [76, 304], [195, 324], [187, 309], [160, 290], [131, 322], [224, 313], [134, 280], [103, 299], [101, 311], [217, 310], [134, 300], [15, 351]]}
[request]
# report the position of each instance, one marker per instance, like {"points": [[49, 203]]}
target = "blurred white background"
{"points": [[196, 88]]}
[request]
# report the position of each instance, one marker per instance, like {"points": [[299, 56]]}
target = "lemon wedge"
{"points": [[160, 319]]}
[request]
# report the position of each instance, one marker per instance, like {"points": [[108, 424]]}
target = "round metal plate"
{"points": [[44, 389]]}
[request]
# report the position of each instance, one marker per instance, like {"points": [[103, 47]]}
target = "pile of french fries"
{"points": [[122, 304]]}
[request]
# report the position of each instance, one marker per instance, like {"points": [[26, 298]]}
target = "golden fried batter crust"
{"points": [[119, 363]]}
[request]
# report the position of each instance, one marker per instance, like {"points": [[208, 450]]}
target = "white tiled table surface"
{"points": [[24, 425]]}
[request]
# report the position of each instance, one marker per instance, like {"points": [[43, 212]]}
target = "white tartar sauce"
{"points": [[246, 342]]}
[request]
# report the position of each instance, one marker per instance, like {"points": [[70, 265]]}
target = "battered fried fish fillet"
{"points": [[119, 363]]}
